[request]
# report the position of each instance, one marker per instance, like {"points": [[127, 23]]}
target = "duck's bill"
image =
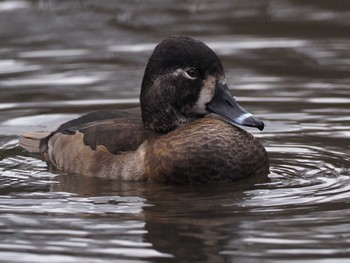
{"points": [[224, 105]]}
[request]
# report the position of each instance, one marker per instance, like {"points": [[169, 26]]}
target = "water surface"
{"points": [[285, 61]]}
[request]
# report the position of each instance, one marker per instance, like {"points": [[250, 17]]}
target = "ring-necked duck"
{"points": [[184, 133]]}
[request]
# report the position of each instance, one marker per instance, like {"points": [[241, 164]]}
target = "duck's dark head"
{"points": [[184, 79]]}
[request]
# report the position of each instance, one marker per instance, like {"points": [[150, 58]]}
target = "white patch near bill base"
{"points": [[178, 72], [205, 96], [243, 117]]}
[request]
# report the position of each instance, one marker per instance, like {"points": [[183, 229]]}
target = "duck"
{"points": [[184, 132]]}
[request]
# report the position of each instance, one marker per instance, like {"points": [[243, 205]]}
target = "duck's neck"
{"points": [[162, 120]]}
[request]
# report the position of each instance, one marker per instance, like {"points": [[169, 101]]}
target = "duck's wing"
{"points": [[117, 135], [118, 131], [100, 115], [99, 145]]}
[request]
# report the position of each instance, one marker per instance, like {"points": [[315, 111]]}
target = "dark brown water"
{"points": [[286, 61]]}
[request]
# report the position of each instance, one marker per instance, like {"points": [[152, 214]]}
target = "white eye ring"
{"points": [[192, 73]]}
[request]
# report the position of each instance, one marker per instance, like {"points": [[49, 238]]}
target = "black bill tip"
{"points": [[253, 122]]}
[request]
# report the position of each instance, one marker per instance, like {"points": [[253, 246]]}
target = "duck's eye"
{"points": [[192, 73]]}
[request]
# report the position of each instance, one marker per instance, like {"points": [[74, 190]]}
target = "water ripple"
{"points": [[285, 61]]}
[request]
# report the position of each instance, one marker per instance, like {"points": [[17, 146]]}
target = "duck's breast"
{"points": [[207, 149]]}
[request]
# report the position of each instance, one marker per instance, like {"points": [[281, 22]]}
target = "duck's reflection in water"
{"points": [[185, 222]]}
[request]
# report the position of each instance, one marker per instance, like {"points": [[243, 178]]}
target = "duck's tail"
{"points": [[33, 141]]}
